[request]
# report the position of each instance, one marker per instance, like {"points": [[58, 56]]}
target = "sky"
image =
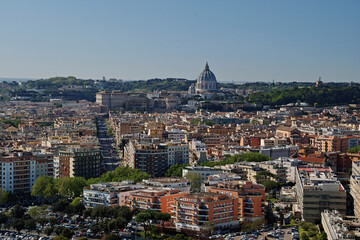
{"points": [[253, 40]]}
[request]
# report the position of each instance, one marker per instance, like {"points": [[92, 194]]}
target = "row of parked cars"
{"points": [[295, 233], [20, 236], [279, 234], [249, 235]]}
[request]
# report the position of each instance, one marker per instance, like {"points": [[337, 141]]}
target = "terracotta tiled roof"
{"points": [[312, 159]]}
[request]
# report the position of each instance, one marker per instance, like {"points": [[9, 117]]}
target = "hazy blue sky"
{"points": [[242, 40]]}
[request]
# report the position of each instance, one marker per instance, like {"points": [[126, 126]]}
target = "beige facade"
{"points": [[355, 187], [318, 189]]}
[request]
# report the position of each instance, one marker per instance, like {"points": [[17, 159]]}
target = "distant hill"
{"points": [[265, 93], [16, 79]]}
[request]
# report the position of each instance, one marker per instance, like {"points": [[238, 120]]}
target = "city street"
{"points": [[110, 159]]}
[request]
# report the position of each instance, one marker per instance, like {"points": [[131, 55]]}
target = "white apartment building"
{"points": [[20, 170], [204, 171], [318, 189], [339, 227], [176, 135], [197, 146], [178, 153]]}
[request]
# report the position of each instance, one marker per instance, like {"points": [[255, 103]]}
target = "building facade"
{"points": [[355, 187], [161, 200], [80, 162], [318, 189], [178, 153], [19, 170], [251, 198], [150, 158], [195, 211]]}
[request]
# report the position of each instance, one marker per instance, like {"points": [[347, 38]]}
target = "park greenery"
{"points": [[46, 187], [121, 174], [18, 219], [195, 180], [196, 121], [145, 218], [269, 184], [13, 122], [354, 150], [265, 175], [309, 231], [109, 128], [324, 96], [176, 169], [244, 157]]}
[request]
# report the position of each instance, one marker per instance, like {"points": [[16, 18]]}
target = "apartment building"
{"points": [[355, 187], [117, 100], [178, 153], [108, 194], [195, 211], [276, 169], [222, 177], [205, 172], [318, 189], [247, 170], [197, 146], [290, 164], [150, 158], [176, 135], [221, 130], [80, 162], [251, 198], [102, 194], [278, 152], [19, 170], [168, 183], [250, 141], [332, 143], [339, 227], [128, 128], [353, 141], [161, 200]]}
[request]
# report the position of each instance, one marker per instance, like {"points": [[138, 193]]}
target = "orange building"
{"points": [[251, 197], [155, 199], [332, 144], [195, 211], [250, 141]]}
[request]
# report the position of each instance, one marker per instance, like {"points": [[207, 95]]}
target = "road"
{"points": [[107, 148]]}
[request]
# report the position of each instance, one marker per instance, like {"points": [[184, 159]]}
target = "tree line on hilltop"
{"points": [[266, 93]]}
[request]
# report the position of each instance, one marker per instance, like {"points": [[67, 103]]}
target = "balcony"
{"points": [[249, 208], [229, 211], [144, 202], [179, 207], [203, 214]]}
